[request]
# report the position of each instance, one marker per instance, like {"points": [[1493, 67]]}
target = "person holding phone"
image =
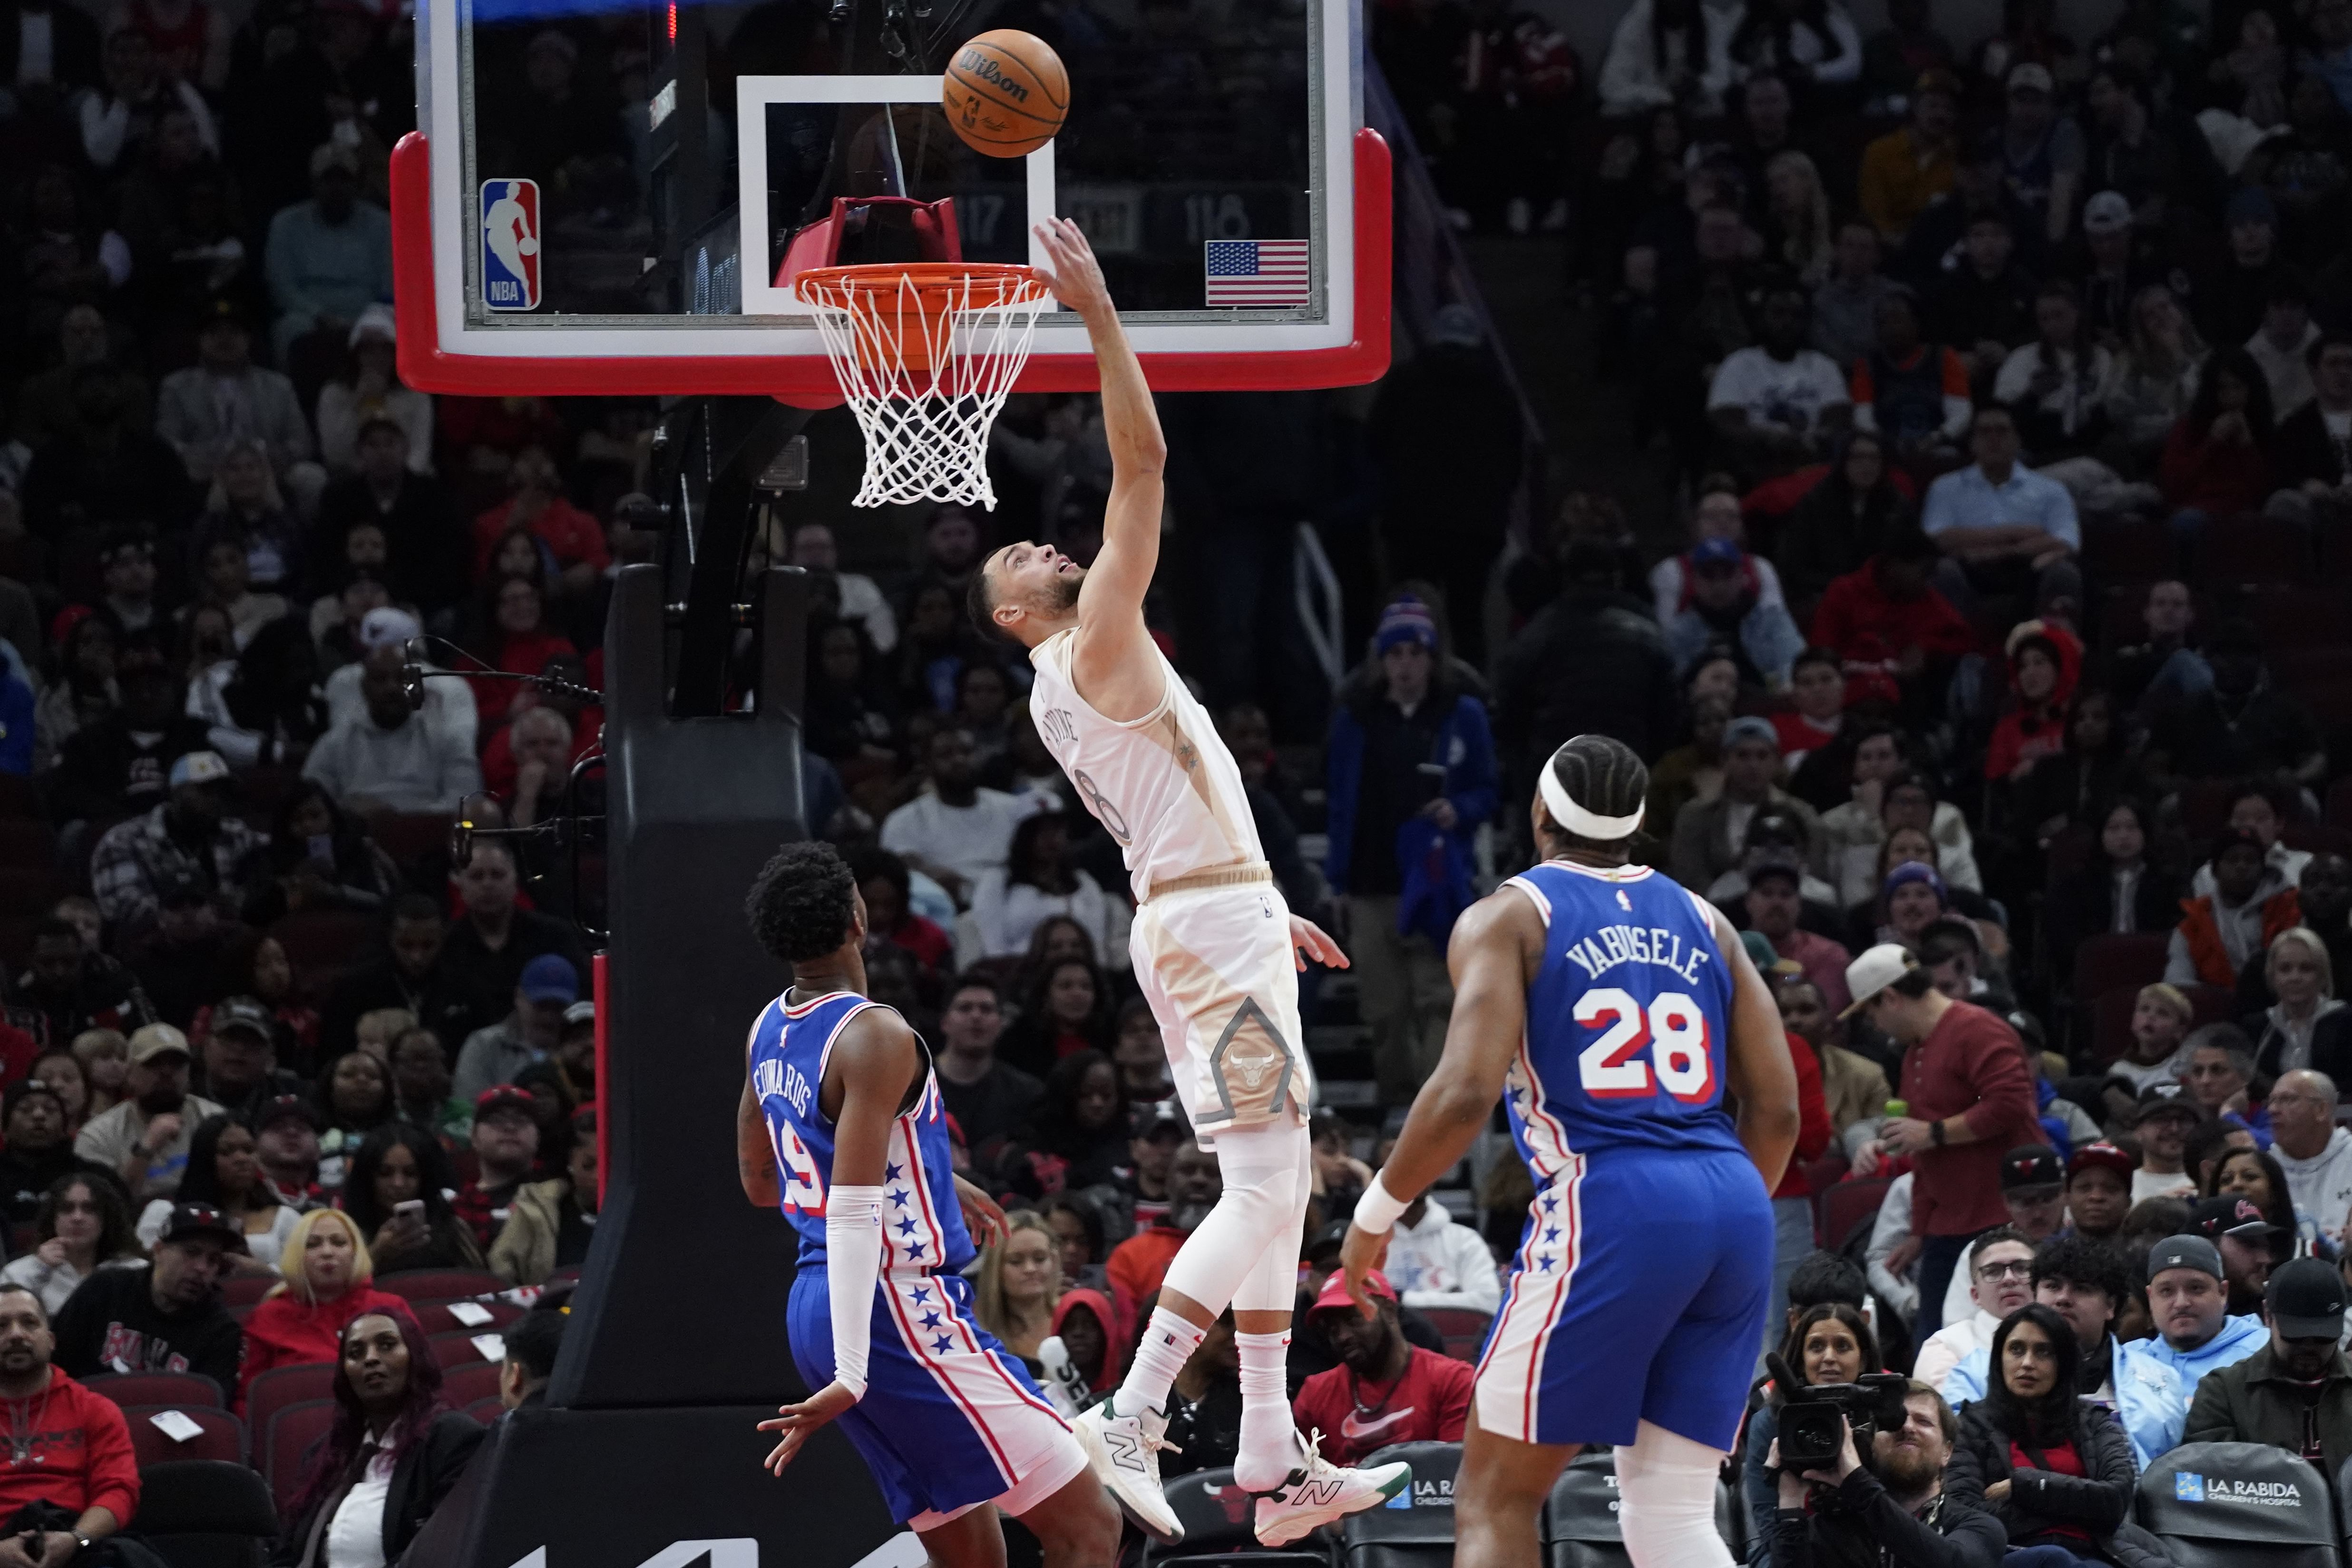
{"points": [[394, 1190], [1410, 773]]}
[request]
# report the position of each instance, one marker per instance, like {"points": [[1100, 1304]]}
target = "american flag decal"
{"points": [[1261, 272]]}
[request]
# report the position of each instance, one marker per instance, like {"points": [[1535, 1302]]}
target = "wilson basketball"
{"points": [[1006, 93]]}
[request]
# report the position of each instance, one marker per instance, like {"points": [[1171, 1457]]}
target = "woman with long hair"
{"points": [[1066, 1010], [2216, 461], [83, 693], [326, 1272], [2155, 379], [1038, 881], [1797, 217], [1019, 1285], [2306, 1025], [399, 1163], [1077, 1137], [2256, 1175], [208, 659], [2094, 766], [1830, 1342], [2120, 888], [2057, 1470], [1842, 520], [82, 1227], [254, 964], [515, 636], [848, 715], [394, 1453], [320, 856], [72, 1076], [224, 1170]]}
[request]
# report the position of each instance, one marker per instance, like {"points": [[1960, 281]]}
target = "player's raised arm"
{"points": [[1494, 947], [1761, 1077], [1112, 598], [870, 1069]]}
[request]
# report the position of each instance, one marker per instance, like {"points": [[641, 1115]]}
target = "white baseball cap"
{"points": [[197, 767], [1877, 968], [385, 624]]}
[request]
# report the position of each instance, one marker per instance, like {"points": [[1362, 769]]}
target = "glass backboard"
{"points": [[601, 196]]}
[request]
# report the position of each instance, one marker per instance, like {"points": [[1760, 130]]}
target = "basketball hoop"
{"points": [[925, 352]]}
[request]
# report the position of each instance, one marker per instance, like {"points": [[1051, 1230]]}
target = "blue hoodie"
{"points": [[2239, 1338], [2150, 1401]]}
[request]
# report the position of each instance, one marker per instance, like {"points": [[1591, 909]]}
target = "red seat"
{"points": [[159, 1388], [282, 1386], [436, 1317], [2213, 1004], [2108, 962], [246, 1290], [286, 1440], [1848, 1204], [223, 1436], [320, 944], [458, 1349], [2317, 837], [486, 1410], [2111, 1018], [2129, 549], [470, 1382], [440, 1285], [1463, 1328], [2252, 548]]}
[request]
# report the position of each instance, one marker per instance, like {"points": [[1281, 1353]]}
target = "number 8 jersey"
{"points": [[1628, 1021]]}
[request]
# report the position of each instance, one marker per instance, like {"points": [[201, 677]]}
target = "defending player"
{"points": [[840, 1092], [1612, 1009], [1214, 949]]}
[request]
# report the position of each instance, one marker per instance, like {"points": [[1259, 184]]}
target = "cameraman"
{"points": [[1890, 1514]]}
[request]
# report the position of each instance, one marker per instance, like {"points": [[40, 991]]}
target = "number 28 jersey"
{"points": [[1628, 1021]]}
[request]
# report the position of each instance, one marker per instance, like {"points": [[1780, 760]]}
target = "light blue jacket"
{"points": [[2239, 1338], [1768, 635], [2149, 1401]]}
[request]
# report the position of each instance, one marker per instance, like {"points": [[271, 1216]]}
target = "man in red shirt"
{"points": [[1888, 625], [1384, 1390], [1968, 1100], [73, 1479], [537, 505]]}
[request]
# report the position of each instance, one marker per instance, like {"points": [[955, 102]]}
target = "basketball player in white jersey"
{"points": [[1215, 951]]}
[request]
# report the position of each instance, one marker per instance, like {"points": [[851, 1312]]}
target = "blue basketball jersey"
{"points": [[921, 1220], [1628, 1021]]}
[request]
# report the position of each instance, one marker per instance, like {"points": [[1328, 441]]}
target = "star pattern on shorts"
{"points": [[907, 1227], [892, 1173], [914, 1249], [930, 1319], [922, 1294], [898, 1196], [941, 1343]]}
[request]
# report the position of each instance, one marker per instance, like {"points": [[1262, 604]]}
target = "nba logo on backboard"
{"points": [[511, 245]]}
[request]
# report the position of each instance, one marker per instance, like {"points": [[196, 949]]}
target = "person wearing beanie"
{"points": [[1409, 774]]}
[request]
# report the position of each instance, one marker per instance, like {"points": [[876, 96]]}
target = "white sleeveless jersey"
{"points": [[1164, 785]]}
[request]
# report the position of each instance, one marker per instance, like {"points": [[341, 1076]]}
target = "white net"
{"points": [[926, 354]]}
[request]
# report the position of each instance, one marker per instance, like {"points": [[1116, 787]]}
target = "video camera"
{"points": [[1810, 1428]]}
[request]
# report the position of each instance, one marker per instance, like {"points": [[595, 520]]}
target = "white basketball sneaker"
{"points": [[1320, 1492], [1124, 1452]]}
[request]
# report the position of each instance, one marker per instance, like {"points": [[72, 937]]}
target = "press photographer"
{"points": [[1889, 1513]]}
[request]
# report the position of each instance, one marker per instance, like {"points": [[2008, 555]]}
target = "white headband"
{"points": [[1573, 818]]}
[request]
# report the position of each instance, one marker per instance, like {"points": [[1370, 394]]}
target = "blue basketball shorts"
{"points": [[1638, 1293]]}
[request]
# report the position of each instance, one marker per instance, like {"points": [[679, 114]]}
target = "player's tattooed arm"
{"points": [[1761, 1076], [755, 1156]]}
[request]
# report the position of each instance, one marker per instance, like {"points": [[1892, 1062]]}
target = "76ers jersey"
{"points": [[921, 1221], [1628, 1021]]}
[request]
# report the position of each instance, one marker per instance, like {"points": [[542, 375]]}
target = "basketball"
{"points": [[1006, 93]]}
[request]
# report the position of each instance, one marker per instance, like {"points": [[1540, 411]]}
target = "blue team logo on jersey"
{"points": [[511, 245]]}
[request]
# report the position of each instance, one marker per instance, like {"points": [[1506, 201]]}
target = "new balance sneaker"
{"points": [[1124, 1452], [1320, 1492]]}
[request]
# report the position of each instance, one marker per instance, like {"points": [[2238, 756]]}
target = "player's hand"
{"points": [[1359, 1254], [797, 1421], [1311, 939], [982, 1215], [1071, 269]]}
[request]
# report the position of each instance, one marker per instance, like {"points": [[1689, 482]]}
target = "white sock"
{"points": [[1167, 1346], [1269, 1449]]}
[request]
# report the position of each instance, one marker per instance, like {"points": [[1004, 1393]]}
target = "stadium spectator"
{"points": [[166, 1317], [550, 1223], [1722, 609], [505, 1144], [144, 1140], [2306, 1025], [421, 1085], [285, 1140], [1888, 1508], [2309, 452], [394, 1454], [2241, 724], [1828, 1343], [2295, 1392], [1778, 405], [225, 400], [990, 1098], [2254, 1175], [2003, 528], [2315, 1152], [1893, 628], [329, 259], [120, 765], [957, 830], [1845, 305], [1139, 1264], [2000, 1271], [408, 976], [1593, 624], [82, 1485], [2222, 931], [399, 1164], [494, 1055], [38, 1150], [224, 1173], [80, 1228], [2162, 1122], [1907, 169], [1385, 1390], [73, 1075], [1019, 1287], [189, 839], [533, 1343], [484, 954], [1441, 1262], [391, 488], [2188, 1299], [328, 1274], [389, 756], [1711, 837]]}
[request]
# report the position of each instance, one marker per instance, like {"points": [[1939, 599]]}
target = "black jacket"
{"points": [[2098, 1502], [423, 1475], [2301, 451], [1859, 1524], [1591, 661], [111, 1318], [2253, 1402]]}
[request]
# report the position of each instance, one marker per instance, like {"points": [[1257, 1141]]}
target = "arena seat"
{"points": [[245, 1289], [223, 1436], [179, 1388], [286, 1440], [470, 1383], [2252, 548], [486, 1409], [458, 1349], [2106, 962], [1415, 1530], [2238, 1505], [1216, 1517], [1580, 1517], [1848, 1204], [436, 1317], [2129, 549], [440, 1285], [283, 1385], [206, 1514], [1464, 1329]]}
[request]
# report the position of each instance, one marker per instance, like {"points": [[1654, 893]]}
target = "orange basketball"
{"points": [[1006, 93]]}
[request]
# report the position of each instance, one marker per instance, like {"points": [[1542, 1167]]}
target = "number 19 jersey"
{"points": [[1628, 1021]]}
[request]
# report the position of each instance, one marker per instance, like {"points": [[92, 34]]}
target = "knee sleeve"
{"points": [[1665, 1491], [1245, 1253]]}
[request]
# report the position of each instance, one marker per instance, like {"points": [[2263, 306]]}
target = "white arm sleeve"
{"points": [[853, 1262]]}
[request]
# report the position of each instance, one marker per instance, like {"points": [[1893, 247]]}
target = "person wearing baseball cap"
{"points": [[504, 1143], [144, 1138], [1969, 1097], [166, 1317], [2297, 1387], [2162, 1120], [2098, 1190], [1704, 848], [235, 1045], [190, 837], [1775, 902], [2246, 1240], [548, 988], [2033, 1186], [2189, 1296], [1384, 1390]]}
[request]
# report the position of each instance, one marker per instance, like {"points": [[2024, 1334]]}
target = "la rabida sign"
{"points": [[2189, 1486]]}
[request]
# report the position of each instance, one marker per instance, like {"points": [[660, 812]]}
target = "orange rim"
{"points": [[934, 282]]}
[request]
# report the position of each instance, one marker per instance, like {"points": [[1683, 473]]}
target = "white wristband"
{"points": [[1379, 1209], [853, 1262]]}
